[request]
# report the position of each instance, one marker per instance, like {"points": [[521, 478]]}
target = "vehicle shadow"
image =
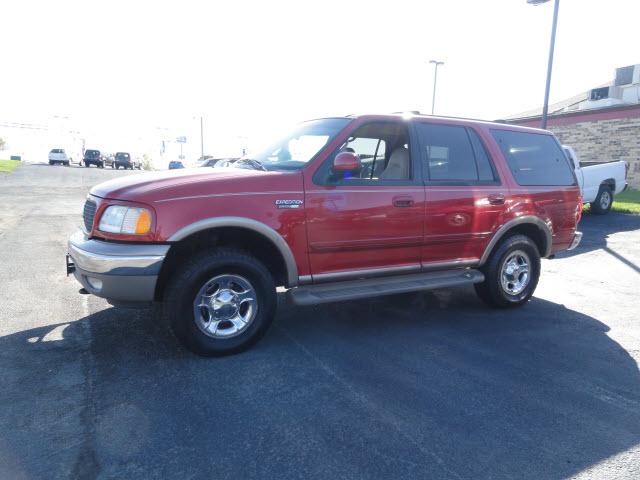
{"points": [[426, 385], [596, 231]]}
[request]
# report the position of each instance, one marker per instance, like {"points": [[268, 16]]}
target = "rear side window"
{"points": [[534, 159], [486, 172], [454, 154]]}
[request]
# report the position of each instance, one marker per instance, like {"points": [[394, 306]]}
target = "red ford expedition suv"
{"points": [[336, 210]]}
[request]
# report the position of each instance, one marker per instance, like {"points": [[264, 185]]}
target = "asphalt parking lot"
{"points": [[428, 385]]}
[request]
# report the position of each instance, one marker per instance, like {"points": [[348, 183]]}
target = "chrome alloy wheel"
{"points": [[225, 306], [605, 199], [515, 272]]}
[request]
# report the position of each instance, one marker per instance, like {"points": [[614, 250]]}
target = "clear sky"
{"points": [[135, 71]]}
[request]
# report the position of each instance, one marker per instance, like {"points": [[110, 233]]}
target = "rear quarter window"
{"points": [[534, 159]]}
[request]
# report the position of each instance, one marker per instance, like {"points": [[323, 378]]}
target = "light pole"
{"points": [[435, 79], [201, 140], [545, 107]]}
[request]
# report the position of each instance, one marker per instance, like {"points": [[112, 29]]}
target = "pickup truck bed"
{"points": [[599, 181]]}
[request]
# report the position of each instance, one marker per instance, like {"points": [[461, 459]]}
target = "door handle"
{"points": [[403, 202], [496, 199]]}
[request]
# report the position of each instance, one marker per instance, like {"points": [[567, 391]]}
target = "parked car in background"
{"points": [[337, 210], [225, 162], [108, 159], [16, 157], [93, 157], [599, 181], [123, 160], [59, 156], [175, 164], [209, 162], [213, 162]]}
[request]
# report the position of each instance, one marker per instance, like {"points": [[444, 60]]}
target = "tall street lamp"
{"points": [[201, 139], [436, 63], [201, 136], [545, 108]]}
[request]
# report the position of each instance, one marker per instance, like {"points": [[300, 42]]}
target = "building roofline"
{"points": [[604, 111]]}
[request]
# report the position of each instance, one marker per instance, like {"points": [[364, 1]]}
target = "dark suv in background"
{"points": [[93, 157], [123, 160]]}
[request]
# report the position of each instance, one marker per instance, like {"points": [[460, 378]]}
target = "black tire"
{"points": [[87, 165], [186, 282], [603, 202], [492, 291], [50, 162], [66, 164]]}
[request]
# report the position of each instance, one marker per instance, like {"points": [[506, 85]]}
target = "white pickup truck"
{"points": [[599, 182], [58, 155]]}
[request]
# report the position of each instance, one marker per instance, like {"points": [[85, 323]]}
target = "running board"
{"points": [[372, 287]]}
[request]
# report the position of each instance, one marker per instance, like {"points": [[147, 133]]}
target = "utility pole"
{"points": [[436, 63], [545, 107]]}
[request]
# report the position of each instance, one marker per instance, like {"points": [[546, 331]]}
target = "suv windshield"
{"points": [[91, 153], [122, 156], [295, 149]]}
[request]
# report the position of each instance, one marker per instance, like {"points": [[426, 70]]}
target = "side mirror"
{"points": [[347, 162]]}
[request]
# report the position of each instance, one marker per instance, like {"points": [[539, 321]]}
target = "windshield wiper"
{"points": [[252, 162]]}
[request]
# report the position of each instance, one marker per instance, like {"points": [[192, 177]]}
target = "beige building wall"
{"points": [[605, 140]]}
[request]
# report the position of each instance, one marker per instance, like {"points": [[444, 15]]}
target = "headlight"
{"points": [[121, 219]]}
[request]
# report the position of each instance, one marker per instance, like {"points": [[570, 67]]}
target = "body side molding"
{"points": [[250, 224], [523, 220]]}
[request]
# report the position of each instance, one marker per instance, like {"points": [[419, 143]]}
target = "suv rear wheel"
{"points": [[511, 273], [220, 302]]}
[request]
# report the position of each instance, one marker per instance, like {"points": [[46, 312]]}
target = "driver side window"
{"points": [[372, 155], [383, 149]]}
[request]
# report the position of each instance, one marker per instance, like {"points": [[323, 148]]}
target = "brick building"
{"points": [[602, 124]]}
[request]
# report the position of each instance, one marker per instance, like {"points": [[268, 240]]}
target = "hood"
{"points": [[153, 186]]}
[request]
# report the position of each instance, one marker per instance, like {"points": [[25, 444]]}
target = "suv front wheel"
{"points": [[220, 302], [511, 273]]}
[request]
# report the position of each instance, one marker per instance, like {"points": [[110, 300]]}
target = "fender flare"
{"points": [[240, 222], [523, 220]]}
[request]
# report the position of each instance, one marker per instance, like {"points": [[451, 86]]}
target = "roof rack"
{"points": [[413, 112], [416, 112]]}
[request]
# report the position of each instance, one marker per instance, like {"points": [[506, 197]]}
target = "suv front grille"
{"points": [[88, 213]]}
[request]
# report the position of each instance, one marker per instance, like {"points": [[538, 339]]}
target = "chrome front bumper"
{"points": [[124, 272], [576, 241]]}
